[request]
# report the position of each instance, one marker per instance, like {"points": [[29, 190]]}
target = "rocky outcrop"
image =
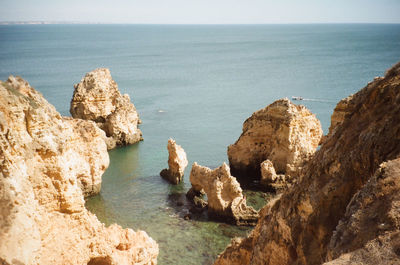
{"points": [[225, 198], [284, 133], [373, 213], [177, 162], [47, 164], [98, 99], [307, 224], [269, 178]]}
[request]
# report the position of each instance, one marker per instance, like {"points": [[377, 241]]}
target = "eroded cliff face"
{"points": [[284, 133], [298, 228], [47, 164], [372, 216], [97, 98], [225, 198]]}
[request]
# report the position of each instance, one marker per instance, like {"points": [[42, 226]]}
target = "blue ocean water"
{"points": [[196, 84]]}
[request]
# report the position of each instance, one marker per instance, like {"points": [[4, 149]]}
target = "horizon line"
{"points": [[49, 22]]}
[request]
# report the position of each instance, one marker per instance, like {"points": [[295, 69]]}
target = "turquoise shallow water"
{"points": [[207, 80]]}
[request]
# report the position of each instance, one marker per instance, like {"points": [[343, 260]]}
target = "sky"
{"points": [[202, 11]]}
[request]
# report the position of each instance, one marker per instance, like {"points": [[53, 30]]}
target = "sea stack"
{"points": [[98, 99], [284, 133], [344, 209], [48, 163], [226, 201], [177, 162]]}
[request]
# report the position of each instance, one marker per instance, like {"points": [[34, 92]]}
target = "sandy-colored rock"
{"points": [[382, 250], [47, 164], [225, 198], [373, 211], [177, 162], [97, 98], [270, 179], [284, 133], [299, 227]]}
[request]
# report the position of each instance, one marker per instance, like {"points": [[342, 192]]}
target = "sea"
{"points": [[196, 84]]}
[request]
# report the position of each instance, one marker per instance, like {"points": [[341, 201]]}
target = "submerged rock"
{"points": [[177, 162], [225, 198], [97, 98], [284, 133], [47, 164], [345, 205]]}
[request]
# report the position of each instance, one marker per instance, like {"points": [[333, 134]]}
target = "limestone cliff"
{"points": [[225, 198], [97, 98], [307, 224], [47, 164], [177, 162], [284, 133], [369, 231]]}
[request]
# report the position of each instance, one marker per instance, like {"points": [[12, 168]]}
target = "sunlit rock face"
{"points": [[225, 197], [48, 163], [284, 133], [98, 99], [345, 207], [177, 162], [270, 179]]}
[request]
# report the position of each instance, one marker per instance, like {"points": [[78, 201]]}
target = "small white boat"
{"points": [[297, 98]]}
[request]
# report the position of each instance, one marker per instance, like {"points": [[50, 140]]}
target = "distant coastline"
{"points": [[43, 22]]}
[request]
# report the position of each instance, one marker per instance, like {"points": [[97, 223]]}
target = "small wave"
{"points": [[319, 100], [313, 99]]}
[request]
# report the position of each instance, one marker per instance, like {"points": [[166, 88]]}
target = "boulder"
{"points": [[48, 163], [225, 198], [284, 133], [177, 162], [98, 99], [345, 204], [270, 179]]}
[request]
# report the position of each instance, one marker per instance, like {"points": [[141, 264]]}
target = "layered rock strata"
{"points": [[328, 213], [225, 198], [47, 164], [98, 99], [177, 162], [284, 133]]}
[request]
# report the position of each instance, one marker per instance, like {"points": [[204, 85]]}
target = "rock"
{"points": [[47, 164], [343, 108], [225, 198], [97, 98], [270, 179], [177, 163], [373, 212], [284, 133], [311, 223], [382, 250]]}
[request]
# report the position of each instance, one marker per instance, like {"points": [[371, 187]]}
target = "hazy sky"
{"points": [[202, 11]]}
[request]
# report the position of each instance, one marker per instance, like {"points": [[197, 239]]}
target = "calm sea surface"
{"points": [[196, 84]]}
